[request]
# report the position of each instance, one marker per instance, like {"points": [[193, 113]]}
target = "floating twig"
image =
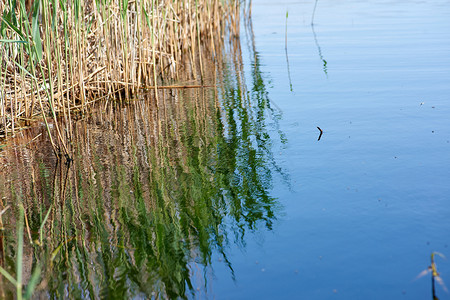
{"points": [[321, 132]]}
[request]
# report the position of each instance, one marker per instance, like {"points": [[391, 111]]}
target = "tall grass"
{"points": [[58, 56]]}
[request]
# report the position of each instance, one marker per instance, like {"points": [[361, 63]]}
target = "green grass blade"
{"points": [[124, 8], [25, 70], [14, 28], [35, 30], [8, 276], [34, 280], [13, 41], [43, 224]]}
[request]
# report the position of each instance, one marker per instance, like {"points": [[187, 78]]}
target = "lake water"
{"points": [[227, 193], [369, 202]]}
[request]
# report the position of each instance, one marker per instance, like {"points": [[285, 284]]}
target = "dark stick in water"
{"points": [[321, 132]]}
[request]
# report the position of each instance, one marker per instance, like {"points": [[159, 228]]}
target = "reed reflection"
{"points": [[152, 192]]}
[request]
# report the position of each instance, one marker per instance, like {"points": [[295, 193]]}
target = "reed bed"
{"points": [[155, 193], [57, 57]]}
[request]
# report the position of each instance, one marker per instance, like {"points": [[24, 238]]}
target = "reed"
{"points": [[57, 57]]}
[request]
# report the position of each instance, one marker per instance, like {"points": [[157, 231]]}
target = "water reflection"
{"points": [[315, 40], [325, 70], [151, 194]]}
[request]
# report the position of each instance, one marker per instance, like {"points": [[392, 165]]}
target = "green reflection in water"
{"points": [[151, 195]]}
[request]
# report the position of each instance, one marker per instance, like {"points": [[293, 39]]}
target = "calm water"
{"points": [[369, 201], [227, 193]]}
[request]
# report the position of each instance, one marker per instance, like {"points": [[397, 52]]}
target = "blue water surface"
{"points": [[364, 207]]}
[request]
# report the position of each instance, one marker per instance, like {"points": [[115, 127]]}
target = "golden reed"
{"points": [[58, 56]]}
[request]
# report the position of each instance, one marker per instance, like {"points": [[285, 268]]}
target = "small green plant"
{"points": [[435, 276]]}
